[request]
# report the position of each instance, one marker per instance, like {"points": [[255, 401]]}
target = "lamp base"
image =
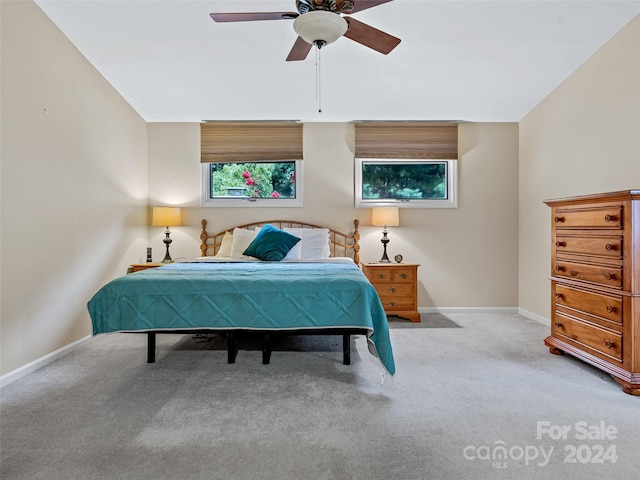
{"points": [[167, 241], [384, 240]]}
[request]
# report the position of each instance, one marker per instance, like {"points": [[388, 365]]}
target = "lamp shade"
{"points": [[320, 26], [166, 217], [385, 216]]}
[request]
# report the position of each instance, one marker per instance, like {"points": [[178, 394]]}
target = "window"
{"points": [[406, 183], [255, 184]]}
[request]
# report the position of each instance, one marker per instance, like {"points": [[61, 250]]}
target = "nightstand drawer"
{"points": [[398, 302], [392, 275], [398, 289]]}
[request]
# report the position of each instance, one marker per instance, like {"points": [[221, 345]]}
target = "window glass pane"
{"points": [[253, 180], [409, 183], [402, 180]]}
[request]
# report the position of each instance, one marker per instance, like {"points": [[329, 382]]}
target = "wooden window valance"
{"points": [[250, 141], [428, 140]]}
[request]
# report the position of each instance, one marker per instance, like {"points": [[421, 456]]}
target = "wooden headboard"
{"points": [[340, 244]]}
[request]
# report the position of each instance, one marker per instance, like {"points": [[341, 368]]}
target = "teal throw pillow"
{"points": [[271, 244]]}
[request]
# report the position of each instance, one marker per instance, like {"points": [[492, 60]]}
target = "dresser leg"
{"points": [[556, 351], [630, 388]]}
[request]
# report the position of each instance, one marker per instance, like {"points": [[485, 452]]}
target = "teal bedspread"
{"points": [[245, 295]]}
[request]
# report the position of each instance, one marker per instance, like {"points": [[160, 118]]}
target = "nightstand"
{"points": [[136, 267], [397, 286]]}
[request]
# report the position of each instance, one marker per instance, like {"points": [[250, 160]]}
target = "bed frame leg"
{"points": [[266, 350], [232, 348], [151, 347], [346, 349]]}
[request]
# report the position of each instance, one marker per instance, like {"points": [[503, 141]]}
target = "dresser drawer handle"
{"points": [[557, 324], [392, 304], [610, 218], [381, 275], [610, 246], [611, 309], [561, 244], [392, 290], [559, 268], [559, 295], [403, 275], [558, 219], [609, 344], [610, 276]]}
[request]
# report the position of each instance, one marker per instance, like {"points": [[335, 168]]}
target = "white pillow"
{"points": [[314, 244], [296, 251], [225, 246], [241, 240]]}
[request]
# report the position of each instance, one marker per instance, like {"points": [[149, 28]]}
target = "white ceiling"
{"points": [[473, 60]]}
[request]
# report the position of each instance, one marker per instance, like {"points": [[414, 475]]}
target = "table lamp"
{"points": [[166, 217], [385, 217]]}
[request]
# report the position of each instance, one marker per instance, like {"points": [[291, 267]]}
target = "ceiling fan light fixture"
{"points": [[320, 27]]}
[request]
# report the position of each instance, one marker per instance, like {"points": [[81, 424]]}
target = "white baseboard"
{"points": [[520, 311], [534, 316], [30, 367], [468, 310]]}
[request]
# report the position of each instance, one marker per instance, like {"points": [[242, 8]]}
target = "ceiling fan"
{"points": [[320, 22]]}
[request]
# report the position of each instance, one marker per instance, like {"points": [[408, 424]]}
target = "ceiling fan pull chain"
{"points": [[318, 81]]}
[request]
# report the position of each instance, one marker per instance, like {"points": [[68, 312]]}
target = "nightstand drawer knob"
{"points": [[392, 304], [381, 275], [609, 344], [611, 309], [561, 244], [557, 324], [610, 218], [403, 275], [558, 219], [610, 246], [610, 276], [392, 290], [559, 268], [559, 295]]}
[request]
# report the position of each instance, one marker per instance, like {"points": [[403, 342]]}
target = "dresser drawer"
{"points": [[603, 275], [604, 341], [598, 304], [594, 217], [603, 246]]}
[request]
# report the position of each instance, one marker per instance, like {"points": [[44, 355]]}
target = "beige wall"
{"points": [[582, 138], [468, 255], [74, 187]]}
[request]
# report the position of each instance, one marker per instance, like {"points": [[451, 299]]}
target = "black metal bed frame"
{"points": [[232, 348]]}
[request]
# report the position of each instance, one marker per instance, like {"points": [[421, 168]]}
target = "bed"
{"points": [[269, 278]]}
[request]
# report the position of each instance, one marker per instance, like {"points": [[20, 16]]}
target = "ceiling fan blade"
{"points": [[299, 51], [252, 16], [359, 5], [370, 37]]}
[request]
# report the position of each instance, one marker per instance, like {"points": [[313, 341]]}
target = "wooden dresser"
{"points": [[397, 286], [595, 282]]}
